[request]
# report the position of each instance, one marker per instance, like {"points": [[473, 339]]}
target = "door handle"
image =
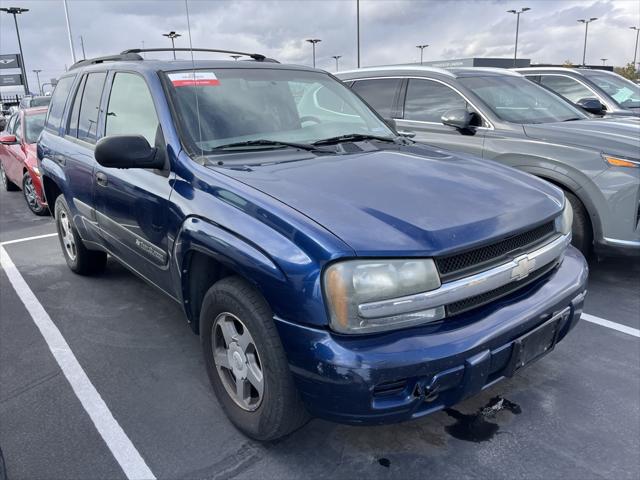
{"points": [[101, 179]]}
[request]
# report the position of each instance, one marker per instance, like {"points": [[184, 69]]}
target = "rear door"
{"points": [[425, 102], [132, 204]]}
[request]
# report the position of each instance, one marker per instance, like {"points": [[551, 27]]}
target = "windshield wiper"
{"points": [[268, 143], [350, 137]]}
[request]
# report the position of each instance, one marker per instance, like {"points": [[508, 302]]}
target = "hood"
{"points": [[414, 201], [616, 136]]}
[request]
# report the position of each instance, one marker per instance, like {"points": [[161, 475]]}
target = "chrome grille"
{"points": [[466, 263]]}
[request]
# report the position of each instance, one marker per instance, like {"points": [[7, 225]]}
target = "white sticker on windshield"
{"points": [[192, 79]]}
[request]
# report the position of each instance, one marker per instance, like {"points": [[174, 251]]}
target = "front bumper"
{"points": [[409, 373]]}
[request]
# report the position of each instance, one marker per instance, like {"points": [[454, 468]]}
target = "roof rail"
{"points": [[258, 57], [123, 57]]}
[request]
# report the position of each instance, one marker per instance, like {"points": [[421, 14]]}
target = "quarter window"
{"points": [[569, 88], [427, 101], [58, 101], [379, 93], [131, 110]]}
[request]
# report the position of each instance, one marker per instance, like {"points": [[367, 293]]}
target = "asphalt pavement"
{"points": [[574, 414]]}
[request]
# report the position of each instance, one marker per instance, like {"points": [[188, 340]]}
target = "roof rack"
{"points": [[258, 57], [123, 57]]}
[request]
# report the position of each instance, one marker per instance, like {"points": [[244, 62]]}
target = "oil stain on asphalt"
{"points": [[477, 427]]}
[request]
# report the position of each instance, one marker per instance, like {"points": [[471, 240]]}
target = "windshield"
{"points": [[40, 101], [517, 100], [34, 125], [244, 105], [624, 92]]}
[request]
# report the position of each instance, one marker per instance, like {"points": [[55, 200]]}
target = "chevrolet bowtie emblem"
{"points": [[524, 266]]}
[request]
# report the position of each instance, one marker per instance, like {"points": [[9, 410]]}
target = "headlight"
{"points": [[36, 170], [565, 220], [351, 283], [620, 162]]}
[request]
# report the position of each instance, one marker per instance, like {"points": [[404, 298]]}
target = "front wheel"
{"points": [[79, 259], [581, 231], [246, 363], [30, 195]]}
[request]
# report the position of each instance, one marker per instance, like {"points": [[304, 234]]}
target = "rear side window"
{"points": [[131, 110], [90, 107], [569, 88], [427, 101], [58, 101], [380, 94]]}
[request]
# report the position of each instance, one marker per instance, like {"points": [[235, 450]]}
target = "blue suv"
{"points": [[330, 266]]}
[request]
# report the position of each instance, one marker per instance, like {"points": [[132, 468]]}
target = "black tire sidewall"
{"points": [[582, 235]]}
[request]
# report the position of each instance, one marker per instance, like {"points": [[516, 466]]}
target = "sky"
{"points": [[389, 30]]}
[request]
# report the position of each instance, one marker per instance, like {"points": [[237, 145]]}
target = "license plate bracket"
{"points": [[535, 344]]}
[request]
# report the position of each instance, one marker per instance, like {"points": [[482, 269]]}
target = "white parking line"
{"points": [[613, 325], [26, 239], [121, 447]]}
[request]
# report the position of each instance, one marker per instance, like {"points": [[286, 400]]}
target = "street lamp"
{"points": [[421, 47], [17, 11], [235, 57], [172, 35], [635, 50], [313, 42], [604, 60], [517, 14], [336, 57], [586, 30], [37, 72]]}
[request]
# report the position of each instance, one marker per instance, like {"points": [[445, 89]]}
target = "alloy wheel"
{"points": [[237, 361], [30, 194], [68, 239]]}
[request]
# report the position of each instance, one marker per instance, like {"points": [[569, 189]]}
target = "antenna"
{"points": [[195, 83]]}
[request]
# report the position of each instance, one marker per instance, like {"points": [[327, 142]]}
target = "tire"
{"points": [[277, 411], [79, 259], [7, 185], [30, 196], [581, 230]]}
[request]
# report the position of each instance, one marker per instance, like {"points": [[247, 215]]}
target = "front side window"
{"points": [[624, 92], [427, 101], [379, 93], [131, 110], [231, 105], [58, 101], [34, 124], [17, 129], [517, 100], [569, 88]]}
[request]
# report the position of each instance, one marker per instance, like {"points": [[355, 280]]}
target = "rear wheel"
{"points": [[79, 259], [30, 195], [7, 185], [246, 363], [581, 230]]}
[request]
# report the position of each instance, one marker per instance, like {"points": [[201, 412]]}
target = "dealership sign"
{"points": [[9, 61], [10, 80]]}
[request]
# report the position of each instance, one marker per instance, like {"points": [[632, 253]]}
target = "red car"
{"points": [[18, 160]]}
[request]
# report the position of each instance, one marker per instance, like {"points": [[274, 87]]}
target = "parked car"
{"points": [[18, 161], [30, 101], [598, 91], [499, 115], [330, 267]]}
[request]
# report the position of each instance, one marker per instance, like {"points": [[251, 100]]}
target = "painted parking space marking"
{"points": [[609, 324], [26, 239], [123, 450]]}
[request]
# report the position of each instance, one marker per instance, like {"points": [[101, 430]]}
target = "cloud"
{"points": [[390, 29]]}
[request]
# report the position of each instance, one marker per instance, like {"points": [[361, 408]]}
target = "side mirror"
{"points": [[591, 105], [458, 118], [127, 151], [8, 139], [403, 133]]}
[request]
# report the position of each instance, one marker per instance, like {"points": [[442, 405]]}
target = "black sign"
{"points": [[9, 61], [10, 80]]}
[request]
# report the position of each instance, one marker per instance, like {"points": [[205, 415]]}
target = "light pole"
{"points": [[313, 42], [517, 14], [586, 31], [336, 57], [604, 60], [37, 72], [84, 55], [421, 47], [17, 11], [358, 29], [235, 57], [69, 36], [172, 35], [635, 50]]}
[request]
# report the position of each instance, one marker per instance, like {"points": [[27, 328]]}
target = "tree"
{"points": [[628, 71], [568, 64]]}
